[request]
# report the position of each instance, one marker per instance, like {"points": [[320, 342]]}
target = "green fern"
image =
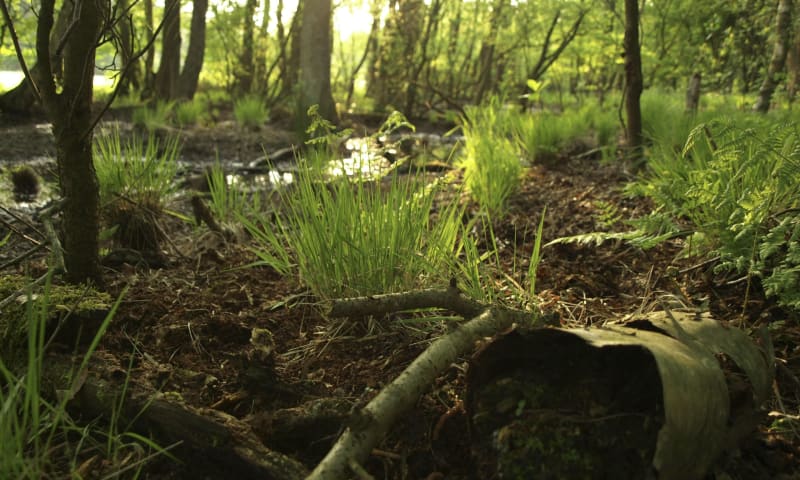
{"points": [[729, 185]]}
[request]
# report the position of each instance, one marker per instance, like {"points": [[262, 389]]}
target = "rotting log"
{"points": [[665, 392], [207, 440]]}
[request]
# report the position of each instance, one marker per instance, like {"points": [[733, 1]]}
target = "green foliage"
{"points": [[193, 112], [155, 117], [492, 167], [136, 169], [352, 236], [227, 201], [737, 188], [250, 112], [38, 437], [136, 178]]}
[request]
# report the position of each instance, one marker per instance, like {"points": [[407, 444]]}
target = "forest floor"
{"points": [[186, 328]]}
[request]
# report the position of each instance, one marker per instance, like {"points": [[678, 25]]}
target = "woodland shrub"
{"points": [[736, 189]]}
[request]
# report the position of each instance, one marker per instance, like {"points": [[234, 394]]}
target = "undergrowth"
{"points": [[38, 436], [733, 194]]}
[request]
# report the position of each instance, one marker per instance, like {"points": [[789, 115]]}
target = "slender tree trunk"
{"points": [[783, 32], [260, 58], [124, 41], [315, 59], [633, 80], [70, 111], [793, 67], [486, 60], [190, 75], [150, 56], [693, 93], [291, 66], [166, 80], [244, 75], [372, 44]]}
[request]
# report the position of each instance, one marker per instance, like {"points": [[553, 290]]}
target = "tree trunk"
{"points": [[21, 100], [290, 63], [244, 74], [70, 111], [166, 80], [315, 60], [633, 80], [783, 29], [187, 85], [150, 56], [260, 59], [124, 41], [793, 67], [486, 59], [693, 93]]}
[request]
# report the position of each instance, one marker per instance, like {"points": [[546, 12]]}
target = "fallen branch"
{"points": [[368, 426], [449, 298]]}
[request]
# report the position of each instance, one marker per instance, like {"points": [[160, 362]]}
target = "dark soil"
{"points": [[187, 329]]}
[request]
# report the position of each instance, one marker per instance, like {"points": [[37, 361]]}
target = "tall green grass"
{"points": [[135, 168], [351, 237], [136, 179], [191, 112], [151, 118], [250, 112], [228, 202], [38, 437], [491, 161]]}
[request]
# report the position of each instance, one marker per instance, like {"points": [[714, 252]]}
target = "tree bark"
{"points": [[693, 93], [166, 80], [124, 41], [315, 60], [783, 29], [70, 111], [261, 73], [246, 70], [190, 75], [633, 80], [486, 57], [150, 56]]}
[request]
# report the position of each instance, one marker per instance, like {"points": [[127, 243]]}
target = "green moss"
{"points": [[55, 303]]}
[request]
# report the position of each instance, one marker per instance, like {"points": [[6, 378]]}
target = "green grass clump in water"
{"points": [[355, 236], [155, 117], [192, 112], [250, 112]]}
